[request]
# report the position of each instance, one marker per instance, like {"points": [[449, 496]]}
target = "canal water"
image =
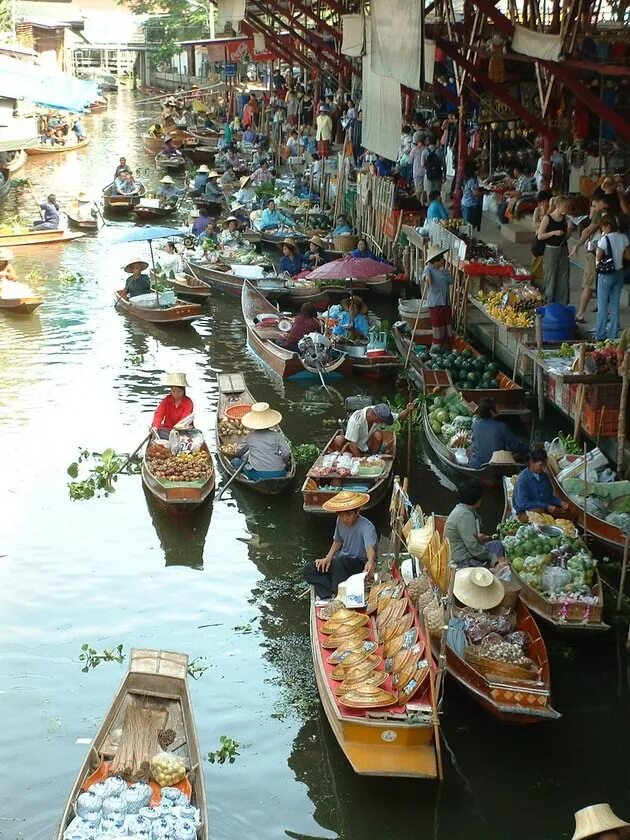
{"points": [[224, 586]]}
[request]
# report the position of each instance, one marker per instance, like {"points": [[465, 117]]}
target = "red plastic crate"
{"points": [[602, 422], [608, 395]]}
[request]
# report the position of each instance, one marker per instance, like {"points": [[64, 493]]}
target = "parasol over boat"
{"points": [[359, 268]]}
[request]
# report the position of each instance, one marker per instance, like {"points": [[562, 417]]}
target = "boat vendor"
{"points": [[533, 491], [167, 192], [7, 272], [176, 409], [342, 227], [290, 261], [304, 323], [362, 251], [353, 322], [200, 181], [265, 452], [246, 194], [362, 435], [469, 546], [168, 149], [137, 283], [213, 192], [231, 236], [273, 219], [262, 175], [122, 166], [599, 822], [50, 219], [490, 435], [315, 254], [438, 279], [169, 260], [84, 210], [209, 235], [228, 177], [354, 546], [201, 222]]}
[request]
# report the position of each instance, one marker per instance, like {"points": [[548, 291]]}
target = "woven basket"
{"points": [[345, 242], [493, 667], [236, 412], [425, 598], [434, 615]]}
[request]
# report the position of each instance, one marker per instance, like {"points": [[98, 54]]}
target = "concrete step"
{"points": [[517, 232]]}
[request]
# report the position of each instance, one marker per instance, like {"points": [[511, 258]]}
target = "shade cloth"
{"points": [[40, 85], [429, 61], [382, 112], [353, 43], [229, 11], [397, 28], [259, 42], [361, 268], [536, 44]]}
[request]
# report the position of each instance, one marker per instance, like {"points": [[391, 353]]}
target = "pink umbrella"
{"points": [[359, 268]]}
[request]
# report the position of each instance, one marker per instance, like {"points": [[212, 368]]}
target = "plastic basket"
{"points": [[602, 421], [597, 396], [237, 412]]}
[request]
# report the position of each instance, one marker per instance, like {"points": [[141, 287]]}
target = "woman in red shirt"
{"points": [[174, 408]]}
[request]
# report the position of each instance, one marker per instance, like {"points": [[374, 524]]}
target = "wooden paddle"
{"points": [[35, 199], [227, 484], [134, 453]]}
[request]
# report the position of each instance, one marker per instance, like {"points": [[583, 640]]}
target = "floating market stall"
{"points": [[183, 479]]}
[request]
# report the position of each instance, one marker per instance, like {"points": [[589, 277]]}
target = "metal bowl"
{"points": [[551, 530]]}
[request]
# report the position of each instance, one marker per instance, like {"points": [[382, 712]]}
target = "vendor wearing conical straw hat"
{"points": [[265, 452], [176, 409], [599, 822], [137, 283], [7, 272], [315, 254], [353, 322], [439, 279], [353, 548]]}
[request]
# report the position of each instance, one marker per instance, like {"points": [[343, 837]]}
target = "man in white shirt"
{"points": [[324, 132], [363, 436]]}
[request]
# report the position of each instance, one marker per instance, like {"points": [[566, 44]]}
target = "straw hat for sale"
{"points": [[346, 500], [358, 301], [83, 198], [213, 173], [244, 181], [6, 254], [502, 456], [596, 819], [434, 252], [135, 265], [260, 416], [177, 380], [478, 588], [166, 180], [290, 244], [316, 240], [203, 168]]}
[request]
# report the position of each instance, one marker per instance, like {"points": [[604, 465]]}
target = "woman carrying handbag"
{"points": [[554, 232], [612, 249]]}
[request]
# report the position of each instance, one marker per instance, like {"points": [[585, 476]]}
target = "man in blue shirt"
{"points": [[491, 435], [436, 210], [353, 548], [533, 491]]}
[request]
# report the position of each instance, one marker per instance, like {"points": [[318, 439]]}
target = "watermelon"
{"points": [[492, 367], [472, 376]]}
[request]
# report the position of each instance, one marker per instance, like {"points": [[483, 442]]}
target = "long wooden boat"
{"points": [[147, 212], [385, 365], [200, 154], [179, 496], [156, 689], [204, 134], [170, 162], [189, 288], [570, 616], [285, 363], [233, 392], [98, 107], [117, 203], [85, 225], [222, 279], [20, 305], [490, 475], [398, 740], [180, 313], [17, 162], [508, 396], [37, 237], [512, 700], [299, 293], [605, 533], [44, 149], [317, 488]]}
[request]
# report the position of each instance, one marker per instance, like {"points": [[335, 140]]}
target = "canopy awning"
{"points": [[42, 86]]}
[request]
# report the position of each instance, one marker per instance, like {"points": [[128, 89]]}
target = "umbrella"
{"points": [[148, 234], [359, 268]]}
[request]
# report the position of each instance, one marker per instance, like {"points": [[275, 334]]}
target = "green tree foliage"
{"points": [[168, 23]]}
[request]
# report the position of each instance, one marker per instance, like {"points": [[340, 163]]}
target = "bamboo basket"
{"points": [[345, 242]]}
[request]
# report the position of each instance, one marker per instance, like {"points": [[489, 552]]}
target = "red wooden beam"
{"points": [[335, 33], [284, 50]]}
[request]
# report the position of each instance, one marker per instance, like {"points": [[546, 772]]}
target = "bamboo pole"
{"points": [[585, 492], [579, 403], [539, 381], [622, 579], [623, 402]]}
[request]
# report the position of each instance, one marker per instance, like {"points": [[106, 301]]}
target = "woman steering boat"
{"points": [[176, 409]]}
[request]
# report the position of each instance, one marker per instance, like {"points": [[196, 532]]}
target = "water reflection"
{"points": [[182, 538]]}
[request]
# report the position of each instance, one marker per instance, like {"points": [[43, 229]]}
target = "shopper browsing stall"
{"points": [[439, 280]]}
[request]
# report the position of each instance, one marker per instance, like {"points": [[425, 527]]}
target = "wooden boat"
{"points": [[512, 699], [233, 392], [180, 313], [317, 488], [37, 237], [152, 145], [170, 162], [490, 475], [605, 533], [508, 396], [17, 162], [85, 225], [178, 496], [98, 107], [396, 740], [44, 149], [189, 288], [117, 203], [372, 364], [285, 363], [204, 134], [307, 292], [276, 241], [150, 209], [221, 278], [200, 154], [251, 236], [20, 305], [569, 617], [156, 685]]}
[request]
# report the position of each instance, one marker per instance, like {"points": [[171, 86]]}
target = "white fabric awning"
{"points": [[397, 40], [353, 43], [17, 133], [382, 112], [536, 44]]}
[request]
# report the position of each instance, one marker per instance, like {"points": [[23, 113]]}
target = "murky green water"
{"points": [[119, 570]]}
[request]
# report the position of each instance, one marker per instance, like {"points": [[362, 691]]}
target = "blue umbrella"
{"points": [[150, 232]]}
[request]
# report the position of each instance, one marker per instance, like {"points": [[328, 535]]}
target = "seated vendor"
{"points": [[478, 589], [168, 149], [342, 227], [137, 282], [273, 219], [7, 271], [362, 251], [533, 491], [362, 435], [213, 192], [353, 549], [315, 254], [491, 435], [169, 260], [262, 175], [290, 261], [353, 322], [264, 452], [231, 236], [176, 409], [469, 547], [208, 238], [200, 181], [303, 324], [167, 191], [246, 194]]}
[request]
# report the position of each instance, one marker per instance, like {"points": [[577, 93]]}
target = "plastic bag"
{"points": [[167, 769], [554, 578]]}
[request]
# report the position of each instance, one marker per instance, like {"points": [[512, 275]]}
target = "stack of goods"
{"points": [[482, 258], [601, 496], [514, 306], [427, 602], [230, 430], [180, 467], [495, 646], [466, 370], [335, 465], [114, 809], [452, 224], [603, 359], [451, 420], [558, 566]]}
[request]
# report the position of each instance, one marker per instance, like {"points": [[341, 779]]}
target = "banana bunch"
{"points": [[508, 315]]}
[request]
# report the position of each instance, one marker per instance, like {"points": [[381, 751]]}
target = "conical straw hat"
{"points": [[434, 252], [260, 416], [177, 380], [596, 819], [346, 500], [478, 588]]}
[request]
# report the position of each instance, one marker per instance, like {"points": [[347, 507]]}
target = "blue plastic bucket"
{"points": [[558, 323]]}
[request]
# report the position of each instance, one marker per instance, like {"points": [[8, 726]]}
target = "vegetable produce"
{"points": [[185, 466], [466, 371], [167, 769], [451, 420]]}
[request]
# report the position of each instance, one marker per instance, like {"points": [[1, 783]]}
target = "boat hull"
{"points": [[188, 288], [85, 225], [120, 204], [178, 315], [17, 163], [20, 306], [57, 150], [179, 497], [34, 237]]}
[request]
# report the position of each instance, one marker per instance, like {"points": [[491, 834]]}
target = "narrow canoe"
{"points": [[174, 162], [512, 700], [233, 391], [145, 212], [202, 134], [37, 237], [317, 489], [178, 496], [285, 363], [17, 162], [20, 306], [570, 617], [152, 145], [223, 280], [156, 683], [605, 533], [189, 288], [85, 225], [397, 740], [116, 203], [180, 313], [57, 150]]}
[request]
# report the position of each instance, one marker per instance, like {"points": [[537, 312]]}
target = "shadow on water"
{"points": [[182, 538]]}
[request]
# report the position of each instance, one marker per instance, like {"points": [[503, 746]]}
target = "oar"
{"points": [[35, 199], [227, 484], [134, 453]]}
